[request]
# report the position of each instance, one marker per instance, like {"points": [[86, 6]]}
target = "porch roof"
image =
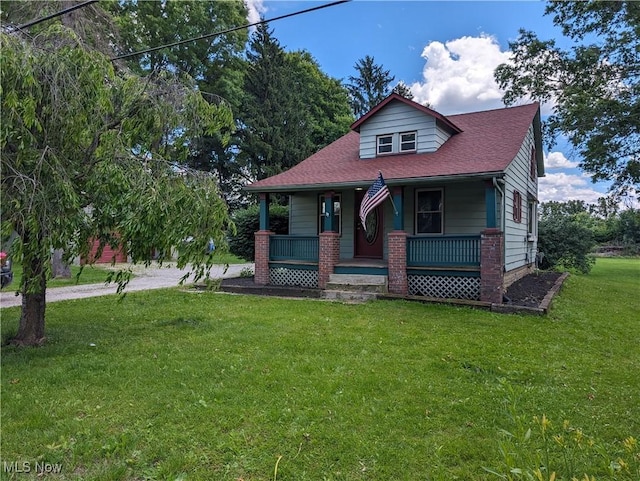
{"points": [[488, 142]]}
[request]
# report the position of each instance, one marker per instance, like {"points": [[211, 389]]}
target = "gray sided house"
{"points": [[460, 221]]}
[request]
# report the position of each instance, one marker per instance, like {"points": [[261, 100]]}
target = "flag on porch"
{"points": [[376, 194]]}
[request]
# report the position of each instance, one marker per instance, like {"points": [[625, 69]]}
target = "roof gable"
{"points": [[441, 119], [485, 146]]}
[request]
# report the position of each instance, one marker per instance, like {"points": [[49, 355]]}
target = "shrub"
{"points": [[247, 223], [565, 242]]}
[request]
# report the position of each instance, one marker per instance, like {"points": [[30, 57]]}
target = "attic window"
{"points": [[385, 144], [407, 142]]}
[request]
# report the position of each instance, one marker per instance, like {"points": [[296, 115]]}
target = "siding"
{"points": [[519, 251], [464, 208], [303, 212], [395, 118], [304, 218]]}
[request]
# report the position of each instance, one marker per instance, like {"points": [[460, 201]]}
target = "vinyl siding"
{"points": [[304, 220], [396, 118], [519, 251], [464, 208]]}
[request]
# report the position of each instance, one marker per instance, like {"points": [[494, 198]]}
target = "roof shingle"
{"points": [[488, 143]]}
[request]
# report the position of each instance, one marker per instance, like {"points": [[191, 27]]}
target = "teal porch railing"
{"points": [[293, 248], [454, 250]]}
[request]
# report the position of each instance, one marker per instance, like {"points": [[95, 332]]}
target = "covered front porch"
{"points": [[468, 267]]}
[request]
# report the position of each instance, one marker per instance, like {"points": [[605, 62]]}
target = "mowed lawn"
{"points": [[182, 385]]}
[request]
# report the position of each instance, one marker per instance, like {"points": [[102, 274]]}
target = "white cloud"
{"points": [[557, 160], [255, 8], [562, 187], [458, 75]]}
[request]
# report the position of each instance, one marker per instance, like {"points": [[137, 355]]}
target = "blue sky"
{"points": [[445, 51]]}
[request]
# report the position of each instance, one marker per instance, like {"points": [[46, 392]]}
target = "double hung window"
{"points": [[429, 212]]}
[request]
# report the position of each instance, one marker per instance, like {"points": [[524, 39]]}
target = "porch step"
{"points": [[357, 283], [348, 296]]}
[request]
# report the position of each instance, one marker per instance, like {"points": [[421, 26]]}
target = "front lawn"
{"points": [[174, 384]]}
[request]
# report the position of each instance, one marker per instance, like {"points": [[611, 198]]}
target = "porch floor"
{"points": [[362, 262]]}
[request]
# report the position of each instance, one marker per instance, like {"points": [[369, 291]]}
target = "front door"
{"points": [[369, 242]]}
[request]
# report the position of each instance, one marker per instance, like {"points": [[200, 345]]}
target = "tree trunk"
{"points": [[59, 268], [34, 285]]}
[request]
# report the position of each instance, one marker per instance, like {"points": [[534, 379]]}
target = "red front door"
{"points": [[369, 242]]}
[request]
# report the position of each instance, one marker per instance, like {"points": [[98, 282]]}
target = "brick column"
{"points": [[328, 256], [491, 266], [397, 262], [261, 276]]}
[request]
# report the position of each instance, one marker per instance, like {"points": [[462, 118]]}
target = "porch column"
{"points": [[329, 256], [264, 211], [261, 273], [329, 214], [490, 202], [397, 262], [491, 266], [398, 217]]}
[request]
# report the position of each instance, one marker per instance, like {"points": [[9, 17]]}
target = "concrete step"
{"points": [[358, 283], [348, 296]]}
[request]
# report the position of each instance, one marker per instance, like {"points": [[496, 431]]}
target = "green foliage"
{"points": [[89, 153], [370, 87], [290, 108], [247, 223], [539, 449], [200, 385], [564, 239], [594, 87]]}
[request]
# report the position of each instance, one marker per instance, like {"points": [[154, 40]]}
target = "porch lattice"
{"points": [[283, 276], [444, 287]]}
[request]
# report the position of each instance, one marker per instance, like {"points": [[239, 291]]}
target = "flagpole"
{"points": [[395, 210]]}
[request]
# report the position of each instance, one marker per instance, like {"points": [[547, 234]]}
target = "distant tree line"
{"points": [[569, 233]]}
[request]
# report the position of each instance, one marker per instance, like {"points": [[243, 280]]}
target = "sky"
{"points": [[445, 51]]}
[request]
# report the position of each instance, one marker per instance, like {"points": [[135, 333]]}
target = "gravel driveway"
{"points": [[145, 279]]}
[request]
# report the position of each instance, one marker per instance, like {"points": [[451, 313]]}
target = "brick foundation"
{"points": [[329, 256], [517, 274], [491, 266], [261, 276], [397, 262]]}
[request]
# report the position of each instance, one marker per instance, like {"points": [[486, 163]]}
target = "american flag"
{"points": [[376, 194]]}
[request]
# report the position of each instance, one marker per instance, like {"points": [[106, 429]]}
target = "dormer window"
{"points": [[385, 144], [408, 142], [398, 143]]}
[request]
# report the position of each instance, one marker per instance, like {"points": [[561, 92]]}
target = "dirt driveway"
{"points": [[145, 279]]}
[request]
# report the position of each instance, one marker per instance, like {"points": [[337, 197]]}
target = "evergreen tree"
{"points": [[290, 108], [370, 87]]}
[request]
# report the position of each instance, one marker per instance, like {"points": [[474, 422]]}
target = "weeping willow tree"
{"points": [[89, 153]]}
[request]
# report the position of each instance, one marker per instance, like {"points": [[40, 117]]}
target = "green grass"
{"points": [[95, 274], [209, 386]]}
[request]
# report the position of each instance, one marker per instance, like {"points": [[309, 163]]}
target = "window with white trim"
{"points": [[407, 142], [322, 211], [385, 144], [429, 211]]}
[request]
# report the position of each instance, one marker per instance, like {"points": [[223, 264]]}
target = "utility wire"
{"points": [[54, 15], [215, 34]]}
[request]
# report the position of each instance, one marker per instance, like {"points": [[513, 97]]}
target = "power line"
{"points": [[54, 15], [181, 42]]}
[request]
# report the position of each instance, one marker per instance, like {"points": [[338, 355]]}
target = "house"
{"points": [[460, 221]]}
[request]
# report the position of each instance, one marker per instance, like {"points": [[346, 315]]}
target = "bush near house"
{"points": [[248, 223]]}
